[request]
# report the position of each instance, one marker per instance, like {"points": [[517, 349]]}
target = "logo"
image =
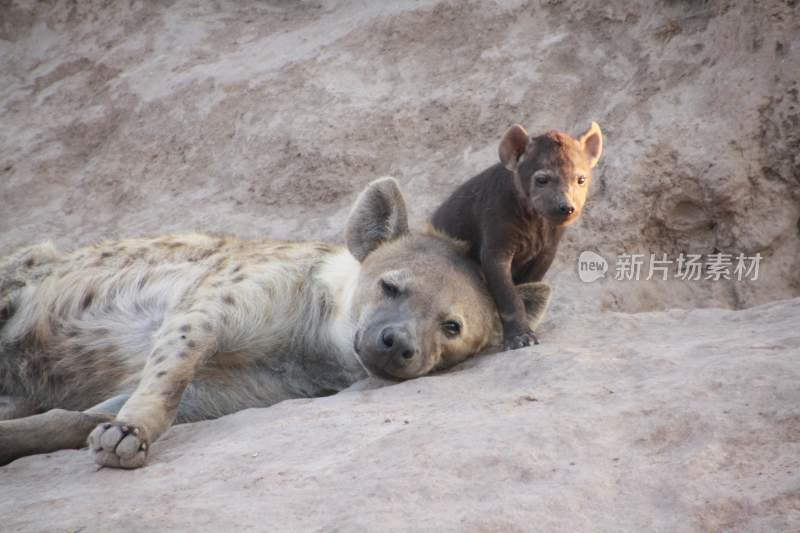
{"points": [[591, 266]]}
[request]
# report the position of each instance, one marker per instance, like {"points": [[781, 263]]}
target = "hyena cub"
{"points": [[513, 214]]}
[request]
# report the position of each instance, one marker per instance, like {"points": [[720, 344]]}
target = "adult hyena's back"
{"points": [[18, 270], [76, 327], [81, 325], [23, 267]]}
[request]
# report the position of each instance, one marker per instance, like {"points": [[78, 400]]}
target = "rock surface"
{"points": [[265, 119], [671, 421]]}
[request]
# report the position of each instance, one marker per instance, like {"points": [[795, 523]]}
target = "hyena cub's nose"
{"points": [[566, 208], [398, 342]]}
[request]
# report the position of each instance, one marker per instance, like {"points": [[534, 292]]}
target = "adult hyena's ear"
{"points": [[513, 146], [378, 216], [592, 142], [535, 296]]}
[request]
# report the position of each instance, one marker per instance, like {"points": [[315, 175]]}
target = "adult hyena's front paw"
{"points": [[119, 445]]}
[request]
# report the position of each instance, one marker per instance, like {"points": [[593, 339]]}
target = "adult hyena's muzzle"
{"points": [[389, 350]]}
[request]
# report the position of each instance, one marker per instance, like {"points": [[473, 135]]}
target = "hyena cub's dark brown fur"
{"points": [[513, 213]]}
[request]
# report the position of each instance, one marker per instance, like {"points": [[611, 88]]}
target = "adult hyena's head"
{"points": [[420, 303], [552, 172]]}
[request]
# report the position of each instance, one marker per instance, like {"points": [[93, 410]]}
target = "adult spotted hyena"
{"points": [[194, 327]]}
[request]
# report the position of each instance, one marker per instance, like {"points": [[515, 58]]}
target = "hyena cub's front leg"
{"points": [[181, 345]]}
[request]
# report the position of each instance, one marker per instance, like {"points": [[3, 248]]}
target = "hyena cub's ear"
{"points": [[513, 146], [592, 142], [535, 296], [378, 216]]}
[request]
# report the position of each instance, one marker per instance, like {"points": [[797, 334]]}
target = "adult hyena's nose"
{"points": [[397, 341], [566, 208]]}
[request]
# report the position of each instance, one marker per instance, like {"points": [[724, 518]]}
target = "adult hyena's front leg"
{"points": [[181, 345]]}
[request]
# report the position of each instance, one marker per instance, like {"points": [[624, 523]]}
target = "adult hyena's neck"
{"points": [[337, 278]]}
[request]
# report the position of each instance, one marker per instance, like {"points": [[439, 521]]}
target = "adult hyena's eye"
{"points": [[390, 289], [581, 180], [451, 328]]}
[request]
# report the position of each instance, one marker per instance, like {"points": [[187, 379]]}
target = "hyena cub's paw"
{"points": [[119, 445], [520, 340]]}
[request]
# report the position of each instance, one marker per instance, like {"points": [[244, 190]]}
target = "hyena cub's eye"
{"points": [[581, 180], [541, 180], [389, 289], [451, 328]]}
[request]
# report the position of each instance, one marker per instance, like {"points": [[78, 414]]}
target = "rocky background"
{"points": [[264, 119]]}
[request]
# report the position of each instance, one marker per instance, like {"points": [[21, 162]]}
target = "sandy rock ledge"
{"points": [[677, 420]]}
